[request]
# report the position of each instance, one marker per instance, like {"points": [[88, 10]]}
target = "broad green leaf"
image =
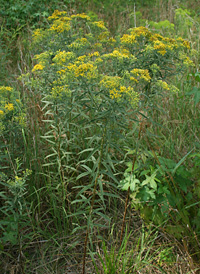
{"points": [[151, 181], [196, 92]]}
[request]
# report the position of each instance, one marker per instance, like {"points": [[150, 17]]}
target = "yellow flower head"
{"points": [[116, 54], [162, 84], [117, 93], [173, 89], [186, 60], [60, 26], [96, 54], [56, 14], [9, 106], [86, 70], [37, 35], [141, 74], [58, 91], [62, 56], [81, 16], [141, 31], [127, 39], [160, 47], [127, 93], [99, 24], [43, 58], [79, 43], [38, 67], [5, 89], [183, 42], [110, 82]]}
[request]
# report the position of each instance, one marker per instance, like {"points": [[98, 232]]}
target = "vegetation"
{"points": [[99, 130]]}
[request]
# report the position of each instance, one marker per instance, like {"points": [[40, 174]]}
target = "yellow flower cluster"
{"points": [[56, 14], [60, 26], [37, 35], [43, 57], [162, 84], [141, 74], [127, 39], [5, 93], [132, 96], [5, 89], [61, 71], [82, 58], [129, 93], [185, 43], [86, 70], [111, 41], [62, 56], [57, 91], [110, 82], [160, 47], [93, 55], [96, 54], [173, 89], [156, 41], [99, 24], [141, 31], [79, 43], [156, 37], [186, 60], [103, 35], [116, 91], [163, 43], [38, 67], [82, 16], [117, 54], [9, 107]]}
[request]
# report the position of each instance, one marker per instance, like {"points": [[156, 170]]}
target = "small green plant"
{"points": [[113, 261], [15, 211], [165, 193], [133, 255], [15, 206], [165, 27]]}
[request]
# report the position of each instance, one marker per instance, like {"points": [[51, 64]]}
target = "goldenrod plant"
{"points": [[92, 87], [105, 114]]}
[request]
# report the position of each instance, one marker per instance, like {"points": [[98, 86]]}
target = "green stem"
{"points": [[93, 199], [127, 196]]}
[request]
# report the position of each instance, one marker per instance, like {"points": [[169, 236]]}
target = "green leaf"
{"points": [[151, 181], [130, 181], [196, 92], [181, 161]]}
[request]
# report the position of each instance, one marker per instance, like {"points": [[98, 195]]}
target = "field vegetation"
{"points": [[99, 137]]}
